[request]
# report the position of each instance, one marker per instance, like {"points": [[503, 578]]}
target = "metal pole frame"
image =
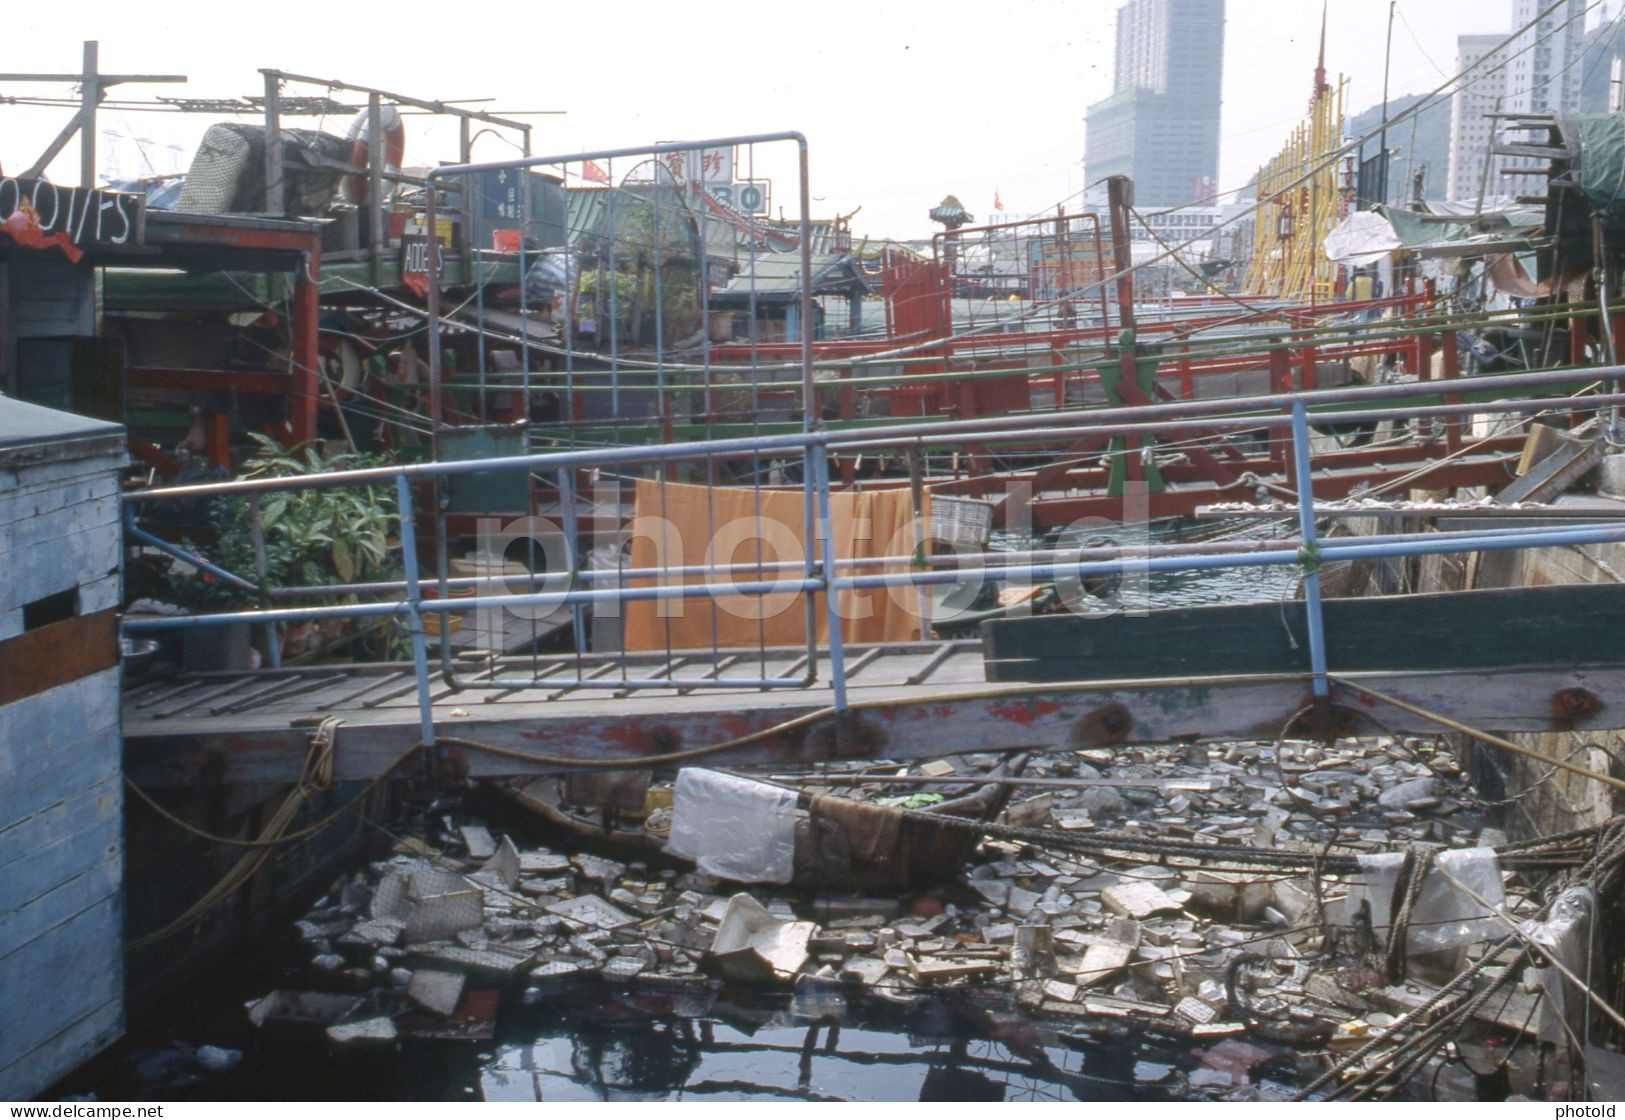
{"points": [[815, 446], [1310, 549], [1351, 548], [811, 423], [414, 608]]}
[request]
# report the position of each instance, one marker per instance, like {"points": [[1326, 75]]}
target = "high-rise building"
{"points": [[1470, 124], [1538, 72], [1160, 126], [1545, 76]]}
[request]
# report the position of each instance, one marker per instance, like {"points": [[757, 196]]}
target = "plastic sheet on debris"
{"points": [[1566, 936], [1444, 916], [734, 828]]}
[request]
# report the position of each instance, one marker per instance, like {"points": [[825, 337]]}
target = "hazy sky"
{"points": [[901, 102]]}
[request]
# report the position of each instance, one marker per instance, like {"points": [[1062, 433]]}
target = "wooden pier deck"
{"points": [[908, 701]]}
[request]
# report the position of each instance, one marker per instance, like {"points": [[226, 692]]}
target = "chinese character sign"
{"points": [[701, 165]]}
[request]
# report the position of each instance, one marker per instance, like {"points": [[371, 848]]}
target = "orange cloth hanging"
{"points": [[676, 525]]}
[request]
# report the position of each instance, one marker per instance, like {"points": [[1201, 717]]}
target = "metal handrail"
{"points": [[1218, 414]]}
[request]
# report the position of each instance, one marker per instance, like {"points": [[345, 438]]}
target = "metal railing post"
{"points": [[414, 599], [1309, 550], [567, 509], [273, 650], [832, 606]]}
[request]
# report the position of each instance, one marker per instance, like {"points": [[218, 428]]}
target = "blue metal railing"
{"points": [[821, 572]]}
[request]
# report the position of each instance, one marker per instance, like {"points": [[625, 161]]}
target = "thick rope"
{"points": [[1413, 873], [280, 841], [315, 779]]}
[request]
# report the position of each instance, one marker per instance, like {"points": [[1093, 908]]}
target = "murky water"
{"points": [[626, 1046], [1206, 587], [595, 1042]]}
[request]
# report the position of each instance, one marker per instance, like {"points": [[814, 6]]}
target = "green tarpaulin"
{"points": [[1602, 156]]}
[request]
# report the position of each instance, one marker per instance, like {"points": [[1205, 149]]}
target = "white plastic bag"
{"points": [[732, 827], [1444, 916]]}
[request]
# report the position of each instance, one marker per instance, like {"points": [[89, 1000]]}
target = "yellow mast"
{"points": [[1300, 200]]}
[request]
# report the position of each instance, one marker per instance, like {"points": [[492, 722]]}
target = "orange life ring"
{"points": [[356, 185]]}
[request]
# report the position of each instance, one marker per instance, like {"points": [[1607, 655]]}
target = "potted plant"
{"points": [[312, 537]]}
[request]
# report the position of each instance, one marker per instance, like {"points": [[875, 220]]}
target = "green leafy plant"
{"points": [[317, 536]]}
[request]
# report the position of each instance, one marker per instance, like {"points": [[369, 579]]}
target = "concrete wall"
{"points": [[61, 792]]}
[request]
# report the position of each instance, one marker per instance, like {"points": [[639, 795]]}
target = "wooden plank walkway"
{"points": [[909, 701]]}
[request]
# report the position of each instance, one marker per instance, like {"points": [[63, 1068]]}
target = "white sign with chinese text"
{"points": [[702, 165]]}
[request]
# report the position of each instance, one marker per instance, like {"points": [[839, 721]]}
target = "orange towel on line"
{"points": [[673, 526]]}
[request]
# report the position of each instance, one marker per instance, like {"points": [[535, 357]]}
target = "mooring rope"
{"points": [[315, 779]]}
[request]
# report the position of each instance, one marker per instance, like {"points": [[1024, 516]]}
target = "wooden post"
{"points": [[1280, 366], [1119, 190], [217, 439], [1451, 369], [1120, 196], [302, 401], [91, 84], [90, 96], [273, 146], [922, 539], [375, 185], [846, 407], [460, 243]]}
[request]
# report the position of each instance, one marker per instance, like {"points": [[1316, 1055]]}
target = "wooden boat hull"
{"points": [[830, 853]]}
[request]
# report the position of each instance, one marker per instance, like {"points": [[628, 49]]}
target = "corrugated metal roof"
{"points": [[779, 274]]}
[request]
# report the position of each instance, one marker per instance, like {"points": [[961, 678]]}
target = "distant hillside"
{"points": [[1419, 143]]}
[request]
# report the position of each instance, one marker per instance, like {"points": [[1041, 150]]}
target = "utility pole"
{"points": [[1382, 137]]}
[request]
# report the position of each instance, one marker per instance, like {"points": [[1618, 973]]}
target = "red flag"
{"points": [[593, 173], [998, 203]]}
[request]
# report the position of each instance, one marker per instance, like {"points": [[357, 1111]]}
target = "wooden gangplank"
{"points": [[918, 700]]}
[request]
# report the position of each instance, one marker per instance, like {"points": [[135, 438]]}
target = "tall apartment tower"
{"points": [[1540, 73], [1160, 126], [1545, 78], [1470, 125]]}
